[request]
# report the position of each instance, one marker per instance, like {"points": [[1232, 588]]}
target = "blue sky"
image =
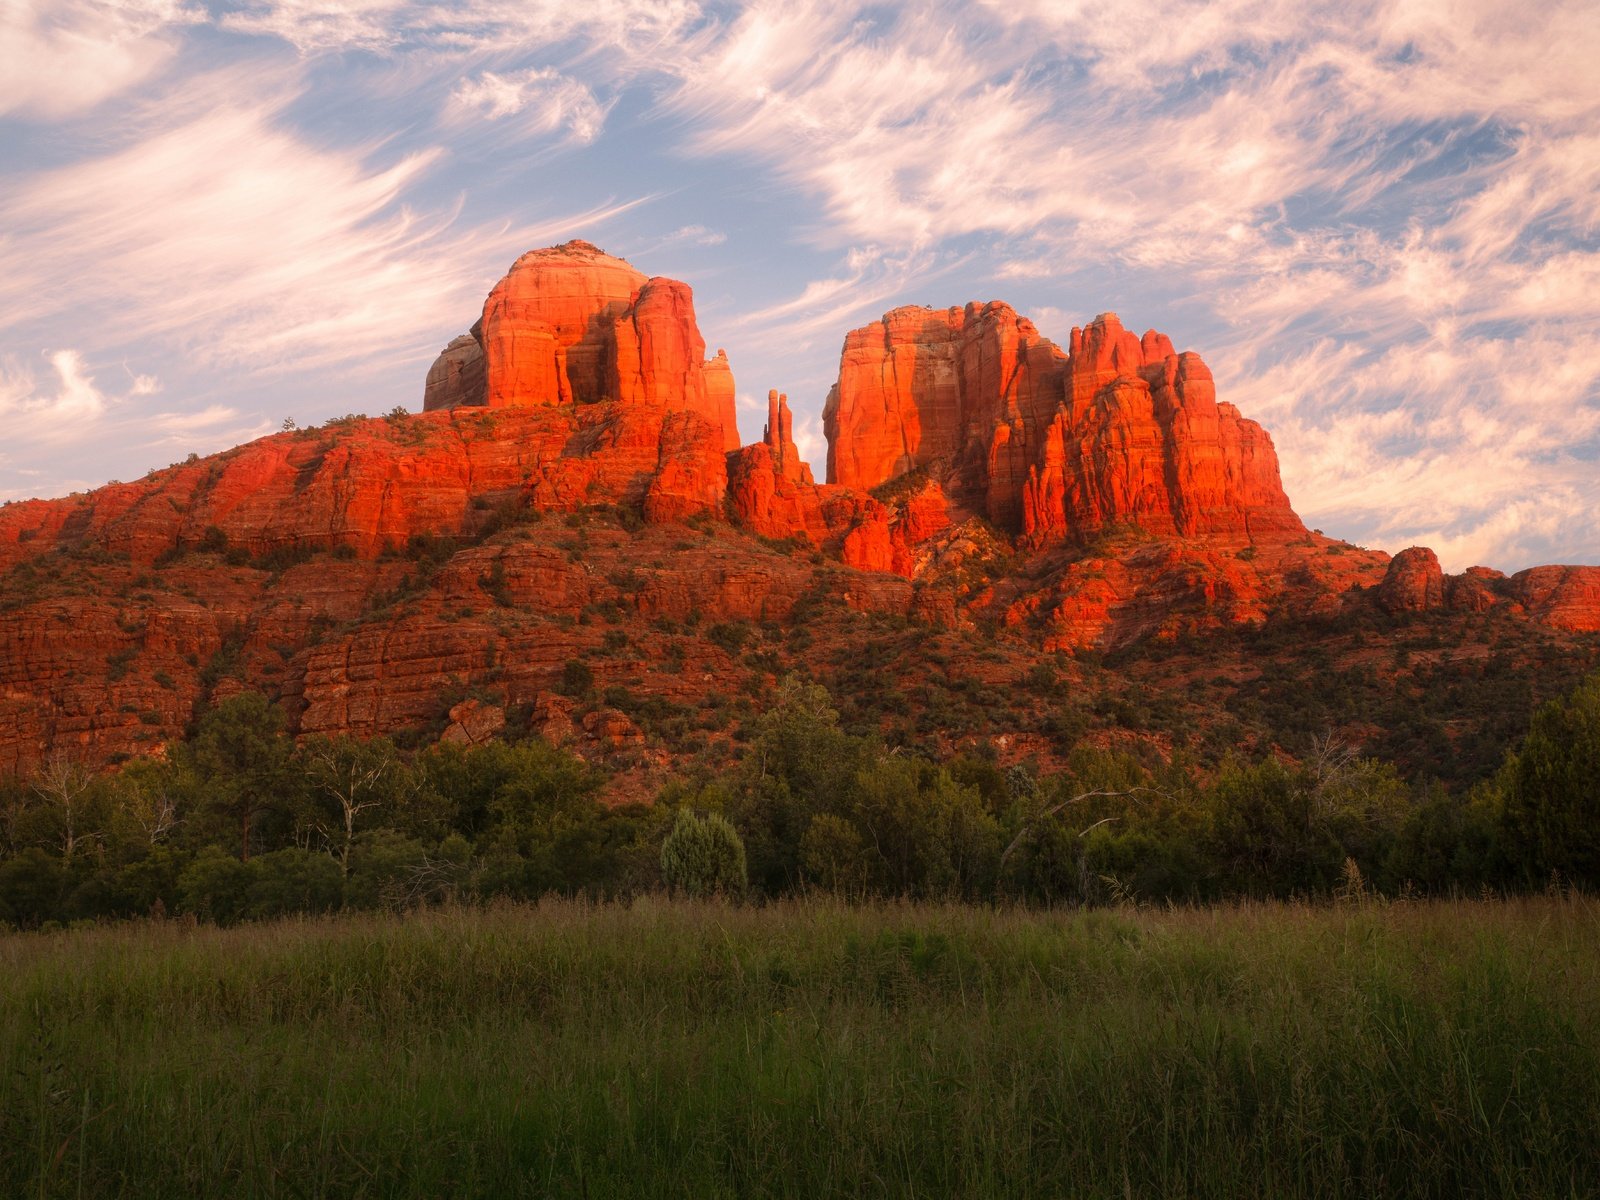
{"points": [[1378, 221]]}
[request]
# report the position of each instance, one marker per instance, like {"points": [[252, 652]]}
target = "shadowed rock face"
{"points": [[1056, 447], [456, 378]]}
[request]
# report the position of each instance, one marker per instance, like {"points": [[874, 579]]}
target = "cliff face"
{"points": [[573, 325], [369, 486], [966, 391], [1055, 447], [578, 462]]}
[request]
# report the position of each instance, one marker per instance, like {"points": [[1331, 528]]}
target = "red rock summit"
{"points": [[1054, 446], [573, 325]]}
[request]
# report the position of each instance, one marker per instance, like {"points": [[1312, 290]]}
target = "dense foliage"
{"points": [[240, 821]]}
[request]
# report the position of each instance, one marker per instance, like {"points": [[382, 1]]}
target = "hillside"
{"points": [[1015, 545]]}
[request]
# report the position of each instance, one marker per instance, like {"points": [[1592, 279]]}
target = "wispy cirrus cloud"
{"points": [[64, 57], [228, 234], [498, 27], [540, 100], [312, 26], [1417, 187], [67, 405]]}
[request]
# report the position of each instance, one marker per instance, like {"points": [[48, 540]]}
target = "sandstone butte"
{"points": [[976, 472]]}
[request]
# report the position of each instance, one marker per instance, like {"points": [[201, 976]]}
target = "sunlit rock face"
{"points": [[571, 324], [1054, 446]]}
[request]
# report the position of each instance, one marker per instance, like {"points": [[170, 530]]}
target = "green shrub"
{"points": [[293, 881], [731, 636], [215, 886], [703, 856], [577, 679]]}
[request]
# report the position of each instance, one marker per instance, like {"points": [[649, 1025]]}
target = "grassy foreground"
{"points": [[664, 1049]]}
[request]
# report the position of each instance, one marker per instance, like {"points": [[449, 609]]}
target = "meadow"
{"points": [[807, 1049]]}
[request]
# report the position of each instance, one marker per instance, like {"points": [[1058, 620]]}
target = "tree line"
{"points": [[242, 821]]}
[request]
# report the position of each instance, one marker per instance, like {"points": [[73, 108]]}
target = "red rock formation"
{"points": [[958, 391], [1142, 440], [547, 325], [456, 378], [720, 398], [1142, 507], [770, 490], [472, 723], [1477, 589], [1413, 583], [1561, 597], [1120, 431], [372, 485], [778, 437], [573, 325], [691, 476]]}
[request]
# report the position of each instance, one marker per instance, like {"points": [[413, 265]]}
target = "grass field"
{"points": [[665, 1049]]}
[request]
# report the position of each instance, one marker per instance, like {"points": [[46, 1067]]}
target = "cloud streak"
{"points": [[63, 59], [233, 238]]}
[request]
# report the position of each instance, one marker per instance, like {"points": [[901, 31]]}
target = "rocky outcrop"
{"points": [[721, 399], [548, 324], [1055, 447], [1559, 597], [574, 325], [771, 491], [961, 391], [777, 436], [456, 378], [1414, 582]]}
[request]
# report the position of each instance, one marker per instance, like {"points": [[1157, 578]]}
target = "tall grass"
{"points": [[696, 1050]]}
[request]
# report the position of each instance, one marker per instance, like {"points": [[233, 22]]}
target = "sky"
{"points": [[1377, 220]]}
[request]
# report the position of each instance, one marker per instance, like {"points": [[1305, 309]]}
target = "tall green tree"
{"points": [[350, 782], [1551, 791], [243, 761]]}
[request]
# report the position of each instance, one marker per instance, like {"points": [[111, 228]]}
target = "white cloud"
{"points": [[232, 236], [67, 407], [317, 25], [64, 57], [33, 413], [694, 235], [497, 27], [827, 308], [545, 100]]}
